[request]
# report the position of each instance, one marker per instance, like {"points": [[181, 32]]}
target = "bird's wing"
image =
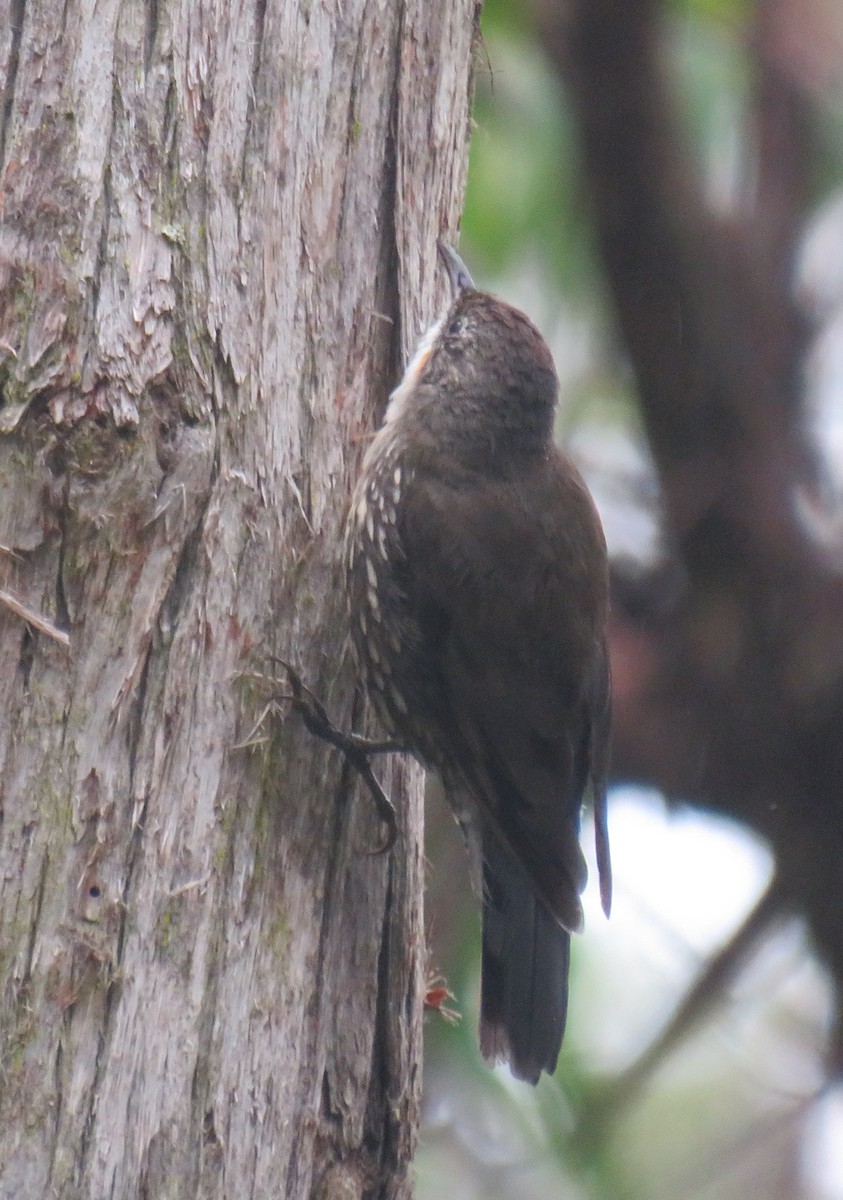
{"points": [[509, 599]]}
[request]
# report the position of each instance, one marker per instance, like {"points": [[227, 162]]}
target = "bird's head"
{"points": [[482, 378]]}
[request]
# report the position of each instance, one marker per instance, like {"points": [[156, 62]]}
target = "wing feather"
{"points": [[510, 622]]}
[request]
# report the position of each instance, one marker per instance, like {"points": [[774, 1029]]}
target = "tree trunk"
{"points": [[218, 240]]}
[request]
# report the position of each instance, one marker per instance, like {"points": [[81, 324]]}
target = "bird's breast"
{"points": [[379, 607]]}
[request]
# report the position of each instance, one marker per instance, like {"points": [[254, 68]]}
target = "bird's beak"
{"points": [[456, 268]]}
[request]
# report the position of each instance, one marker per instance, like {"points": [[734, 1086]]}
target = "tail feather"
{"points": [[524, 989]]}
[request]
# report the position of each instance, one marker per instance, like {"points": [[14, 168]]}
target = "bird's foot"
{"points": [[357, 750]]}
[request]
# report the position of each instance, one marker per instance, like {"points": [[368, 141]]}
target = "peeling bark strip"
{"points": [[217, 239]]}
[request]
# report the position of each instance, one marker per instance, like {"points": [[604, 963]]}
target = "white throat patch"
{"points": [[398, 399]]}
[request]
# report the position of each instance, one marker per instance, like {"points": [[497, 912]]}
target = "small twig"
{"points": [[296, 490], [34, 619], [703, 993], [190, 886], [251, 739]]}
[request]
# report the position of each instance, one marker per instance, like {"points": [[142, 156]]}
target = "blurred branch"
{"points": [[784, 137], [713, 346], [705, 992]]}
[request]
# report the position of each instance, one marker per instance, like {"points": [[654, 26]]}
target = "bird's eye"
{"points": [[457, 326]]}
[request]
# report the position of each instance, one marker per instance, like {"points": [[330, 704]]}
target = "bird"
{"points": [[477, 586]]}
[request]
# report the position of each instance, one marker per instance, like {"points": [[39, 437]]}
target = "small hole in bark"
{"points": [[56, 460], [209, 1133], [94, 891]]}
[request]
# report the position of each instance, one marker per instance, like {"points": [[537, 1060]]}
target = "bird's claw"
{"points": [[357, 750]]}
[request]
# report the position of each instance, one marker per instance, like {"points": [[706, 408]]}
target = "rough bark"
{"points": [[728, 656], [217, 241]]}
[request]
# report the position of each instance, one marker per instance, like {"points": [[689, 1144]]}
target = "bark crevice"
{"points": [[17, 10]]}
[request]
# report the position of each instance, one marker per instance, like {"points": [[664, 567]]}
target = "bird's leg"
{"points": [[357, 750], [318, 722]]}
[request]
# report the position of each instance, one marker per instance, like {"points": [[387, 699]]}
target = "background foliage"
{"points": [[706, 941]]}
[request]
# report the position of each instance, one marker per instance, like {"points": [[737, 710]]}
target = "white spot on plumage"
{"points": [[362, 508], [374, 603], [371, 573], [398, 700], [370, 525]]}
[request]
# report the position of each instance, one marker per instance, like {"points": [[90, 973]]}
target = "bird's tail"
{"points": [[524, 989]]}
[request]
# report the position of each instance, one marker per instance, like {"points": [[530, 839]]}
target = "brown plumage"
{"points": [[477, 585]]}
